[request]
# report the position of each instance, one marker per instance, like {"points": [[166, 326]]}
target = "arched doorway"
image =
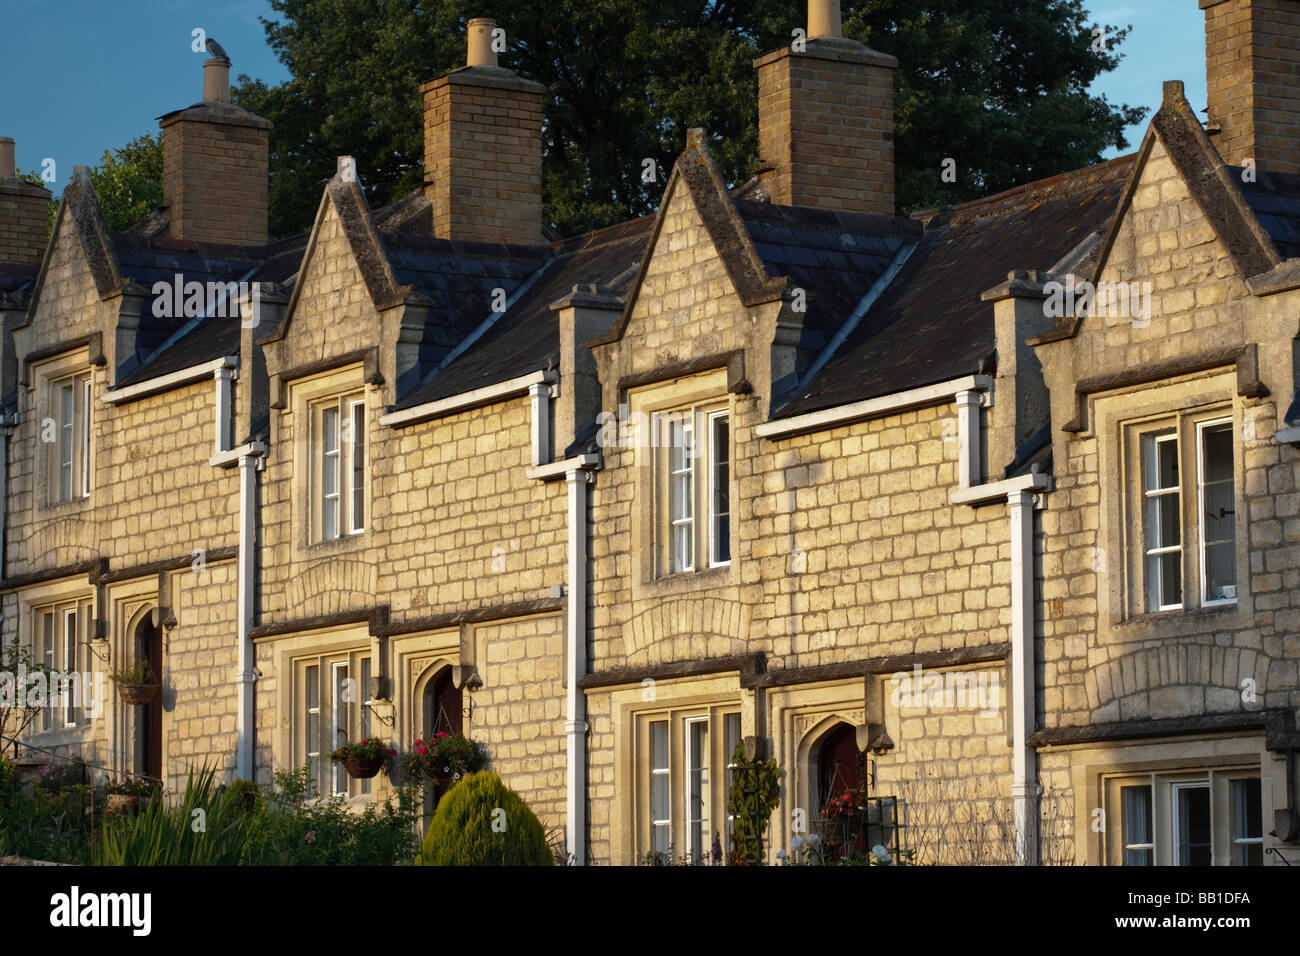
{"points": [[841, 766], [443, 703], [148, 646]]}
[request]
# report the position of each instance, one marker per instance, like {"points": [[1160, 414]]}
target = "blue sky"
{"points": [[81, 76]]}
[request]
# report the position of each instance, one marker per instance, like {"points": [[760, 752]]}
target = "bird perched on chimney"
{"points": [[217, 52]]}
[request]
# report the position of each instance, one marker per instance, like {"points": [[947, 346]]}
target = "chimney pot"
{"points": [[216, 81], [7, 168], [824, 19], [480, 42], [215, 166]]}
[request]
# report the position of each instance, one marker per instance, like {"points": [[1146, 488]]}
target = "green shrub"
{"points": [[245, 796], [482, 822], [294, 829]]}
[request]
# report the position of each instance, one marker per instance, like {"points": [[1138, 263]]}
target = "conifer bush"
{"points": [[482, 822]]}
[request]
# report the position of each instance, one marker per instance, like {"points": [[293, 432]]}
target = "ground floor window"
{"points": [[58, 634], [682, 798], [1186, 819], [332, 694]]}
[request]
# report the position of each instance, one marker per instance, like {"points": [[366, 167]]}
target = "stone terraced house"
{"points": [[990, 509]]}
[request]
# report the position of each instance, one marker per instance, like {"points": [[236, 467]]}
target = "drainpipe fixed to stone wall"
{"points": [[250, 459]]}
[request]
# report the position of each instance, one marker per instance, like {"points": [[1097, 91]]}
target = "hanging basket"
{"points": [[137, 695], [364, 767], [119, 803]]}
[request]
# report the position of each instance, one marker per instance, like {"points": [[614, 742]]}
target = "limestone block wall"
{"points": [[1103, 659], [518, 714]]}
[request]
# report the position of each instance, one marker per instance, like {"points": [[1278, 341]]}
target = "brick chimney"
{"points": [[826, 120], [483, 148], [215, 166], [1252, 66], [24, 212]]}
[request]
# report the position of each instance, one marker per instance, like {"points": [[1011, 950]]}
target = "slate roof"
{"points": [[460, 278], [16, 281], [526, 338], [1274, 198], [159, 259], [930, 323], [834, 257]]}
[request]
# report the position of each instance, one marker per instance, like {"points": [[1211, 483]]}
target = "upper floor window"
{"points": [[338, 480], [1188, 520], [693, 490], [66, 432]]}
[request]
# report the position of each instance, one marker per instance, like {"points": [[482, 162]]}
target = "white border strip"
{"points": [[479, 396], [898, 401], [163, 383]]}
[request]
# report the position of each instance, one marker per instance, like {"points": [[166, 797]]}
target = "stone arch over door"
{"points": [[439, 707], [144, 639]]}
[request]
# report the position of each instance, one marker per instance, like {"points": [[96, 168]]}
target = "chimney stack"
{"points": [[826, 120], [483, 148], [215, 166], [1252, 66], [24, 212]]}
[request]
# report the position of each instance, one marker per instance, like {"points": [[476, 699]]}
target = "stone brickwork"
{"points": [[845, 546], [483, 156], [826, 126], [1251, 61], [215, 174], [24, 212], [1103, 658]]}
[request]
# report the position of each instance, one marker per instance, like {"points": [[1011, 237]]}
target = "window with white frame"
{"points": [[1187, 819], [66, 431], [330, 710], [1188, 526], [693, 488], [682, 799], [58, 632], [338, 467]]}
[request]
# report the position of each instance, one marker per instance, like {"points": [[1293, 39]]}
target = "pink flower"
{"points": [[310, 837]]}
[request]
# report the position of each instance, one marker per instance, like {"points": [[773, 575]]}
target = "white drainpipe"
{"points": [[246, 718], [1024, 760], [249, 459], [575, 639]]}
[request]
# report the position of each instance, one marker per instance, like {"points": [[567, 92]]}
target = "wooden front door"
{"points": [[149, 647], [841, 766]]}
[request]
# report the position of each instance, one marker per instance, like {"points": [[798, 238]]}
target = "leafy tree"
{"points": [[998, 85], [129, 181]]}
